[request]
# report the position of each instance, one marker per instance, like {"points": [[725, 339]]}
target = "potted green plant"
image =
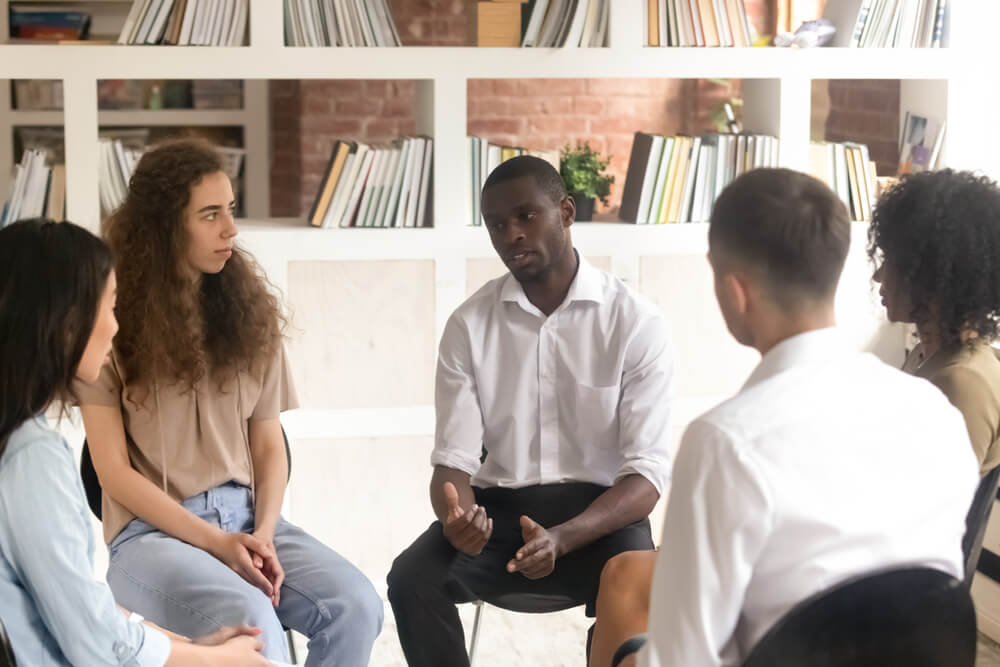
{"points": [[583, 171]]}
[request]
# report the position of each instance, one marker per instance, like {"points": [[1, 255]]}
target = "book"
{"points": [[639, 164], [329, 183]]}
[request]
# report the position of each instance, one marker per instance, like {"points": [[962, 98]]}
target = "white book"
{"points": [[656, 201], [673, 25], [577, 23], [662, 23], [357, 33], [20, 185], [134, 15], [397, 207], [380, 198], [694, 15], [214, 19], [601, 36], [927, 23], [687, 194], [385, 188], [864, 37], [726, 31], [590, 23], [722, 162], [342, 196], [366, 28], [396, 185], [330, 14], [648, 179], [306, 8], [343, 35], [146, 26], [426, 176], [411, 189], [892, 37], [369, 198], [135, 34], [160, 23], [550, 26], [186, 26], [221, 25], [701, 182], [532, 31], [201, 20], [239, 35], [379, 28], [360, 183], [387, 10], [842, 176]]}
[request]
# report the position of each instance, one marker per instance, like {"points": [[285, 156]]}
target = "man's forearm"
{"points": [[442, 474], [630, 499]]}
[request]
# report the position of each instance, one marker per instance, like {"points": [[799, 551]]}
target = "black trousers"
{"points": [[430, 577]]}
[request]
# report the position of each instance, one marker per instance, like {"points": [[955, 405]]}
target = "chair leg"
{"points": [[291, 647], [474, 642]]}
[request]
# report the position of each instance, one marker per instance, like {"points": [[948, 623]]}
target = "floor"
{"points": [[988, 654]]}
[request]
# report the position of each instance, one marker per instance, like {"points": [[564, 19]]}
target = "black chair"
{"points": [[6, 650], [92, 489], [976, 521], [912, 617]]}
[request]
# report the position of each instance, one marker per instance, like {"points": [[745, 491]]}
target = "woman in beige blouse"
{"points": [[936, 238], [184, 432]]}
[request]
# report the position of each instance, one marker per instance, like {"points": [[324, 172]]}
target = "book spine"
{"points": [[939, 24]]}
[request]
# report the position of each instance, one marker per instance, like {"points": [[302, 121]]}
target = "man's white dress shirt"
{"points": [[827, 464], [580, 395]]}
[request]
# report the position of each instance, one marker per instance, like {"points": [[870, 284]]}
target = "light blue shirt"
{"points": [[53, 609]]}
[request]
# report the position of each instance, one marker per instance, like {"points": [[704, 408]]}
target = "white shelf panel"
{"points": [[138, 117], [143, 62], [294, 240]]}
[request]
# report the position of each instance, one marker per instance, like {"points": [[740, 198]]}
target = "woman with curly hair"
{"points": [[57, 296], [936, 239], [184, 432]]}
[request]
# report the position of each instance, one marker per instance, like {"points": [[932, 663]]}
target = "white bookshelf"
{"points": [[777, 93]]}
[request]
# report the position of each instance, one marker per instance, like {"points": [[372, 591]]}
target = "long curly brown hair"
{"points": [[170, 328]]}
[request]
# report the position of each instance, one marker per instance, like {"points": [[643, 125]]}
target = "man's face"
{"points": [[528, 229]]}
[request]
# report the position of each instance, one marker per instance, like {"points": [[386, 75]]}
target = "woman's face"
{"points": [[210, 227], [895, 297], [105, 327]]}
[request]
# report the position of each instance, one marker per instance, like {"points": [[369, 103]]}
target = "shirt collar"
{"points": [[587, 285], [815, 345]]}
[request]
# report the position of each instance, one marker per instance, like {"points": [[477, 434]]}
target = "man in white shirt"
{"points": [[551, 444], [827, 464]]}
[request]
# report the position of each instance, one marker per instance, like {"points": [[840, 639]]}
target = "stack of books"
{"points": [[676, 179], [888, 23], [567, 23], [186, 22], [118, 159], [366, 186], [484, 157], [217, 93], [849, 171], [339, 23], [698, 23], [38, 190], [41, 24]]}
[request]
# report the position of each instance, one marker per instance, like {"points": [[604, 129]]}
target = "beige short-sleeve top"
{"points": [[969, 376], [189, 441]]}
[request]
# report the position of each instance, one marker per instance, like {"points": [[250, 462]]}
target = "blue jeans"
{"points": [[189, 591]]}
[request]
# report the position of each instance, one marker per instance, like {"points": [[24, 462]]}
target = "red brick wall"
{"points": [[867, 111]]}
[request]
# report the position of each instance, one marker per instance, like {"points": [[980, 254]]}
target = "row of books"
{"points": [[888, 23], [37, 190], [850, 172], [697, 23], [484, 157], [186, 22], [366, 186], [677, 178], [118, 159], [339, 23], [40, 23], [567, 23]]}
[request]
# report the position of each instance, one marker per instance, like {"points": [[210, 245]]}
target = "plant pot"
{"points": [[584, 207]]}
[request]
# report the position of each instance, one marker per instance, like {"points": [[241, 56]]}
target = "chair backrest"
{"points": [[92, 485], [6, 650], [976, 521], [916, 617]]}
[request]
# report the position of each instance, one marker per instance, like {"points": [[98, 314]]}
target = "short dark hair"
{"points": [[546, 176], [52, 276], [941, 233], [786, 227]]}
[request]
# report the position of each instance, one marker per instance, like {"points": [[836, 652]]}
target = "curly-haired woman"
{"points": [[184, 432], [936, 239]]}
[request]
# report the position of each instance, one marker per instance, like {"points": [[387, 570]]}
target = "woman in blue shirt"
{"points": [[57, 294]]}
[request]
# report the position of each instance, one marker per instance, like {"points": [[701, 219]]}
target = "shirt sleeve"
{"points": [[105, 390], [644, 407], [277, 389], [970, 393], [458, 439], [717, 521], [48, 548]]}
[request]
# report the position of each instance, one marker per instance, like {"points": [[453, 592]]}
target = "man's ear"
{"points": [[739, 291], [568, 209]]}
